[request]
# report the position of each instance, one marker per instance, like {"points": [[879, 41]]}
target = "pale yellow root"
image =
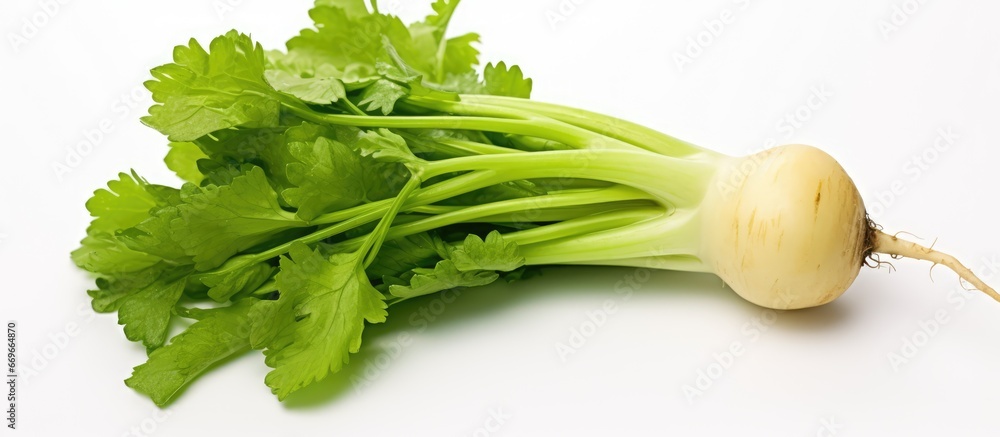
{"points": [[888, 244]]}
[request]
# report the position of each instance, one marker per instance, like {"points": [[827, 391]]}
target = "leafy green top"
{"points": [[312, 199], [260, 178]]}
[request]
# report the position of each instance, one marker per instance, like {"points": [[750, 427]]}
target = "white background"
{"points": [[824, 371]]}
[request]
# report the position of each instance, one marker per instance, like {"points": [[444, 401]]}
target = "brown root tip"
{"points": [[891, 245]]}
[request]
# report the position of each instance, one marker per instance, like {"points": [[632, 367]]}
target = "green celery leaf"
{"points": [[348, 42], [241, 145], [220, 174], [327, 175], [235, 151], [125, 203], [155, 237], [327, 172], [342, 37], [461, 57], [382, 96], [436, 24], [112, 291], [396, 69], [458, 56], [308, 132], [236, 276], [492, 254], [315, 90], [354, 9], [183, 158], [216, 222], [206, 91], [444, 276], [386, 146], [354, 76], [146, 315], [145, 301], [501, 81], [346, 36], [401, 255], [464, 83], [108, 255], [317, 320], [218, 334]]}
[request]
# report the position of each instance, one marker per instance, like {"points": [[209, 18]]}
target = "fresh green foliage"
{"points": [[444, 276], [217, 222], [369, 163], [125, 203], [217, 334], [317, 295], [144, 300], [490, 254], [329, 176], [236, 276], [501, 81], [183, 159], [314, 90], [208, 90]]}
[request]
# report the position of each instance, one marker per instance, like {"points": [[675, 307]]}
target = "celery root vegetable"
{"points": [[370, 163], [793, 233]]}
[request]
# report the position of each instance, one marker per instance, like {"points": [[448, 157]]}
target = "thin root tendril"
{"points": [[896, 248]]}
